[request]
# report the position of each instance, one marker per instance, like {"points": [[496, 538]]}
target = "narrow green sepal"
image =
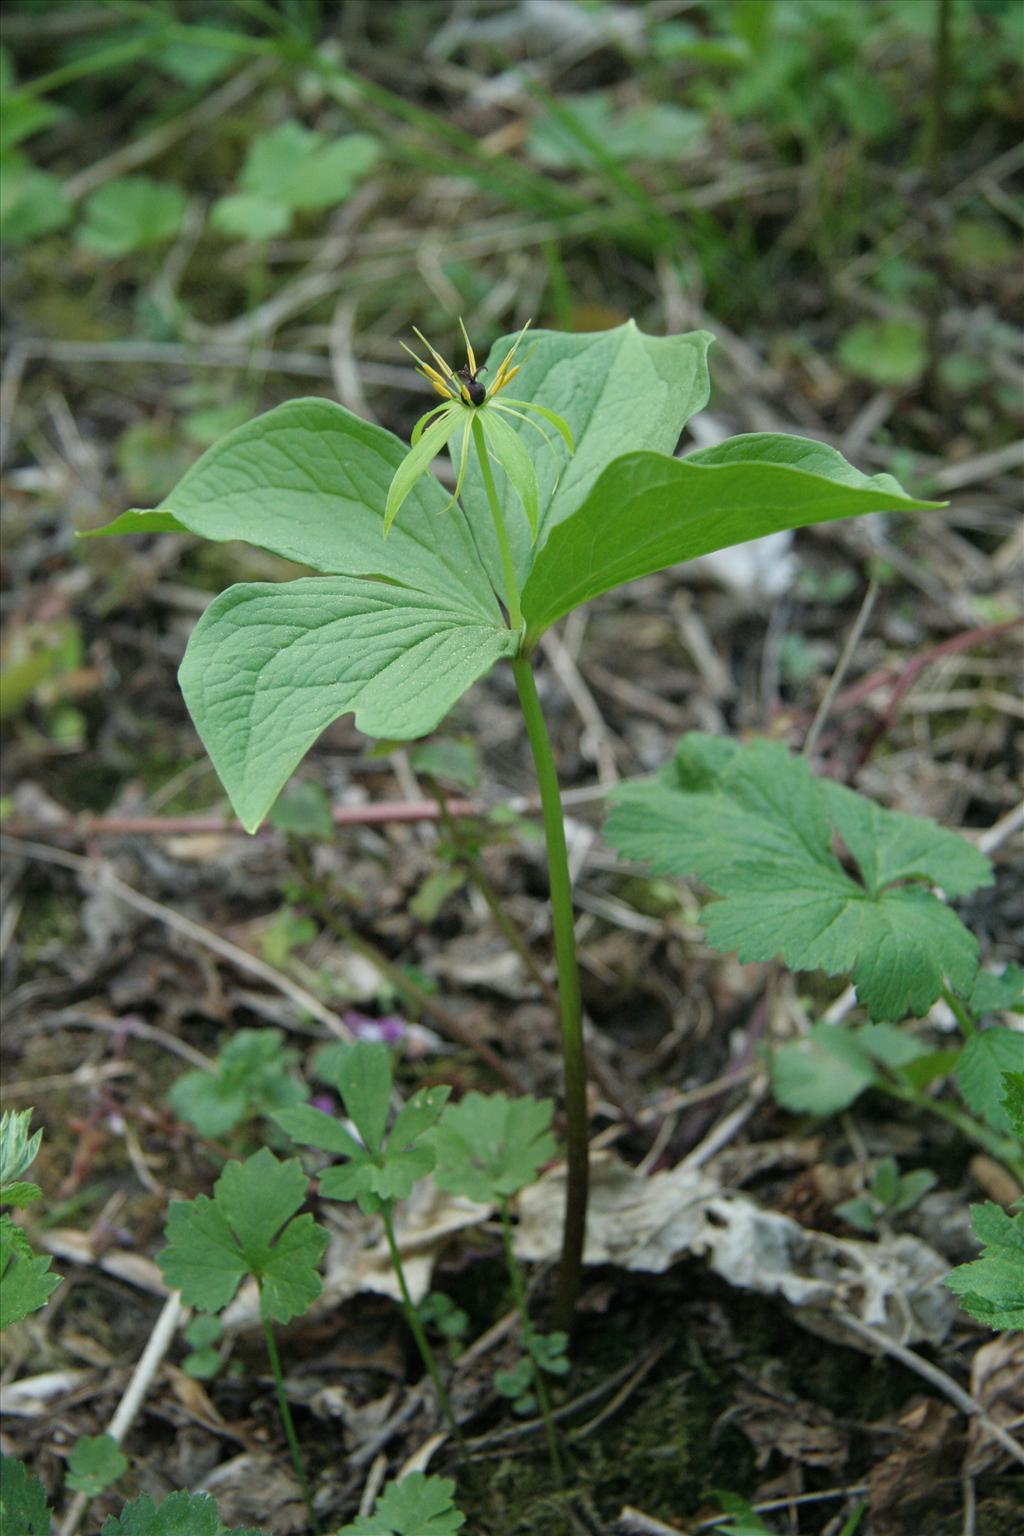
{"points": [[416, 463], [517, 464], [552, 417]]}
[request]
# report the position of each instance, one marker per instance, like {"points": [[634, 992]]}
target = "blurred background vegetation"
{"points": [[212, 205]]}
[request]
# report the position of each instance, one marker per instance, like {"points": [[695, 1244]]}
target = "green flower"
{"points": [[465, 401]]}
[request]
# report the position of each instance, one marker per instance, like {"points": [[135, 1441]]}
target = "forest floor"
{"points": [[140, 929]]}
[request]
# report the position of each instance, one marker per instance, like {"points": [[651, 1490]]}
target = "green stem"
{"points": [[960, 1012], [570, 1000], [508, 565], [412, 1318], [519, 1292], [286, 1418], [1005, 1149]]}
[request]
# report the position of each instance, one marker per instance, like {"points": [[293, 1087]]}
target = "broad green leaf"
{"points": [[131, 214], [891, 847], [180, 1514], [32, 202], [245, 1229], [95, 1462], [328, 174], [991, 1288], [381, 1171], [647, 512], [22, 115], [757, 830], [26, 1283], [822, 1073], [648, 131], [23, 1510], [248, 216], [193, 63], [18, 1150], [456, 759], [889, 353], [743, 1518], [252, 1078], [304, 810], [491, 1146], [298, 168], [20, 1193], [309, 481], [1013, 1101], [1003, 993], [616, 390], [313, 1128], [268, 668], [435, 891], [984, 1059], [416, 1506], [272, 157], [417, 1115], [364, 1082]]}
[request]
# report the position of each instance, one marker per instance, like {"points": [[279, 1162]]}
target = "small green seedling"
{"points": [[96, 1461], [488, 1149], [250, 1228], [439, 1311], [288, 170], [131, 214], [381, 1167], [180, 1514], [416, 1506], [203, 1333], [991, 1288], [890, 1193], [252, 1077], [754, 825], [397, 629], [25, 1279], [23, 1507]]}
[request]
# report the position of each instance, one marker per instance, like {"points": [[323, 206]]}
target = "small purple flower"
{"points": [[387, 1031]]}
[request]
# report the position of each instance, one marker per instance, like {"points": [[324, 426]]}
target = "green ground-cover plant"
{"points": [[96, 1461], [416, 1506], [26, 1282], [991, 1288], [252, 1077], [889, 1193], [288, 170], [381, 1166], [754, 825], [249, 1227], [397, 629]]}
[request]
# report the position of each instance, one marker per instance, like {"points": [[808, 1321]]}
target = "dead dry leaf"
{"points": [[799, 1431], [997, 1383], [649, 1224], [902, 1487]]}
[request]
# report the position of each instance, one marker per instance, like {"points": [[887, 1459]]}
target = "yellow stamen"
{"points": [[433, 377], [438, 359], [470, 354], [505, 373]]}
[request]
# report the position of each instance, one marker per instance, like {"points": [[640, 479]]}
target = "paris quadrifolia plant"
{"points": [[410, 608]]}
